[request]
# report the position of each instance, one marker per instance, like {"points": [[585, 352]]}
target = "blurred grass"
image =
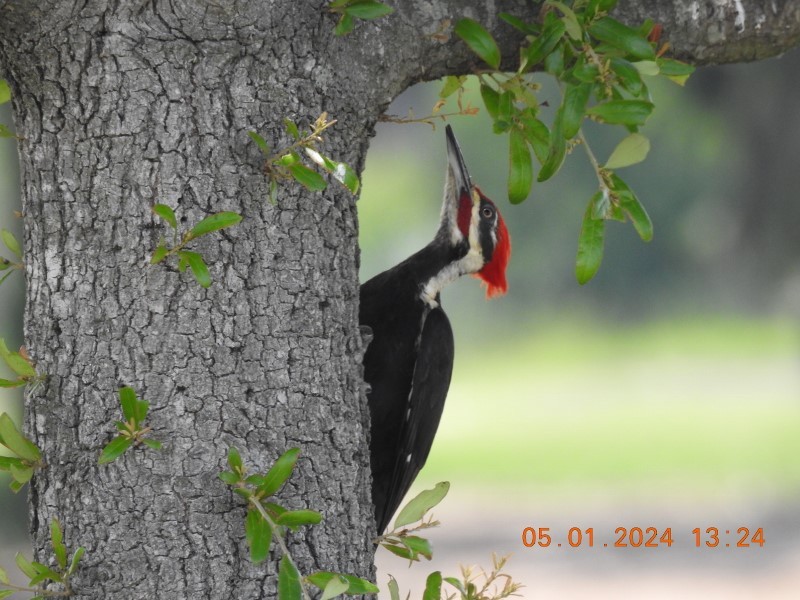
{"points": [[704, 402]]}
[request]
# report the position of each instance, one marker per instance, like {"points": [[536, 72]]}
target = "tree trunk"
{"points": [[123, 105]]}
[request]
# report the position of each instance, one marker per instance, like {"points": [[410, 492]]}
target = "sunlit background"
{"points": [[665, 393]]}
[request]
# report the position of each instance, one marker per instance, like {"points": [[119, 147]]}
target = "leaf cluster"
{"points": [[14, 247], [267, 521], [20, 363], [401, 541], [187, 258], [132, 430], [477, 584], [601, 66], [42, 574], [289, 163], [27, 456], [349, 10]]}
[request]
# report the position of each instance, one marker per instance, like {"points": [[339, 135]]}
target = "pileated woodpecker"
{"points": [[410, 359]]}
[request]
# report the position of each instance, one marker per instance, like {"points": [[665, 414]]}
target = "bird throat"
{"points": [[471, 262]]}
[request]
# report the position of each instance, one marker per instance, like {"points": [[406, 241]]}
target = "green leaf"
{"points": [[491, 100], [621, 36], [624, 112], [127, 400], [516, 23], [675, 70], [5, 132], [151, 443], [419, 505], [198, 267], [335, 587], [43, 572], [262, 144], [418, 545], [537, 134], [166, 213], [24, 566], [229, 477], [8, 383], [554, 62], [294, 518], [159, 254], [628, 75], [259, 535], [141, 408], [5, 91], [433, 586], [18, 444], [557, 152], [505, 109], [114, 449], [456, 584], [6, 462], [552, 32], [344, 25], [76, 558], [394, 589], [288, 580], [347, 177], [452, 83], [291, 128], [479, 40], [3, 575], [357, 586], [215, 222], [590, 245], [11, 242], [21, 475], [235, 460], [647, 67], [400, 551], [273, 192], [368, 9], [5, 593], [571, 23], [520, 169], [308, 177], [631, 150], [575, 99], [16, 362], [279, 473], [57, 539], [633, 208]]}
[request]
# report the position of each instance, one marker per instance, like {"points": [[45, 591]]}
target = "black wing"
{"points": [[431, 380]]}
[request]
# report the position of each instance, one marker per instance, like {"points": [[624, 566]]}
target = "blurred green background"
{"points": [[666, 392]]}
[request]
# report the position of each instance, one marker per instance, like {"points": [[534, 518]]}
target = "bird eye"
{"points": [[487, 212]]}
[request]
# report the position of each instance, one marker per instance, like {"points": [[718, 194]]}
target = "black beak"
{"points": [[458, 170]]}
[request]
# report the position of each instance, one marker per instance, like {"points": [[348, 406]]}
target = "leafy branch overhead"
{"points": [[267, 521], [601, 66], [40, 573], [288, 163], [187, 258], [132, 431]]}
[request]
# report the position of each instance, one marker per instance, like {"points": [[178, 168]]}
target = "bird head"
{"points": [[471, 221]]}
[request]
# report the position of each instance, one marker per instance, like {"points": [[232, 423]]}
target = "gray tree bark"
{"points": [[125, 104]]}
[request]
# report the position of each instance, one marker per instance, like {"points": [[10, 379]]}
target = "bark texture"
{"points": [[124, 104]]}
